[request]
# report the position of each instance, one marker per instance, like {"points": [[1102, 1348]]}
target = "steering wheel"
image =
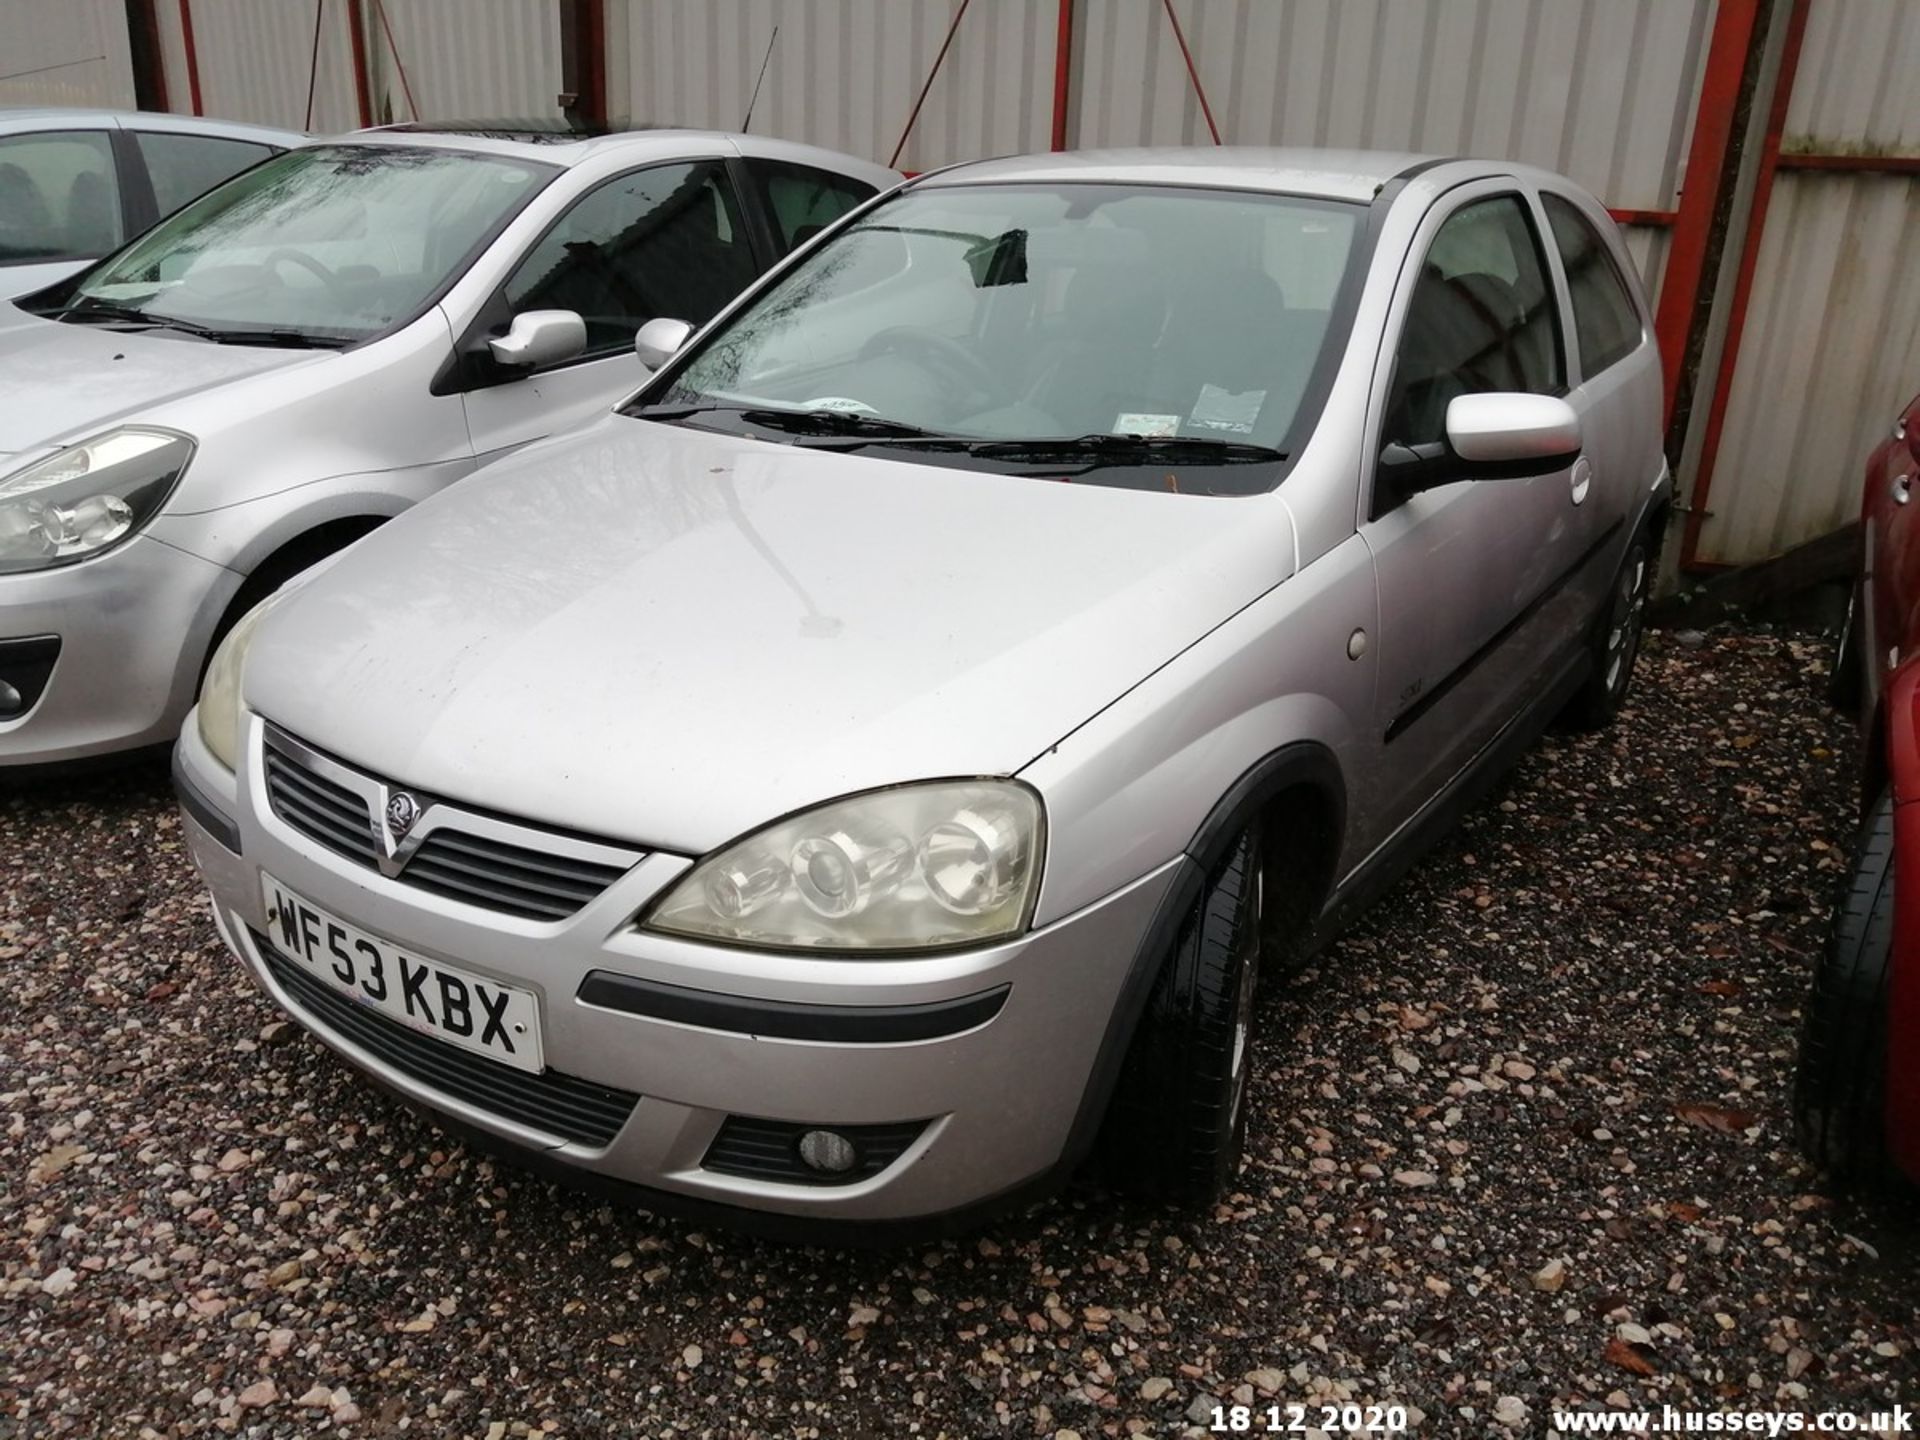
{"points": [[332, 282], [955, 359]]}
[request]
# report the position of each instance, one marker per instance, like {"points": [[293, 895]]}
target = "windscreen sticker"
{"points": [[1133, 423], [1218, 409]]}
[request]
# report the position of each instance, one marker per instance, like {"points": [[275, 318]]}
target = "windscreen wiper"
{"points": [[839, 424], [89, 313], [1094, 448]]}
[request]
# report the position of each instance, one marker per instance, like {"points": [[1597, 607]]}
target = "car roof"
{"points": [[553, 144], [1334, 174], [17, 118]]}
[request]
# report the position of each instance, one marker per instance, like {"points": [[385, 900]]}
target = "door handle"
{"points": [[1581, 479], [1902, 489]]}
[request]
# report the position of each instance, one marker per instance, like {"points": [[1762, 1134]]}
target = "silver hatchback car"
{"points": [[862, 777]]}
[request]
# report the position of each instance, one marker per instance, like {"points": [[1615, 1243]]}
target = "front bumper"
{"points": [[995, 1050], [131, 627]]}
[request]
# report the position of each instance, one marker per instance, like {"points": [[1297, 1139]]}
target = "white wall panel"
{"points": [[468, 59], [71, 53], [256, 58]]}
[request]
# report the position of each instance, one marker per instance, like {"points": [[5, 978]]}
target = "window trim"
{"points": [[468, 369], [757, 168], [1619, 278], [1445, 207], [136, 164]]}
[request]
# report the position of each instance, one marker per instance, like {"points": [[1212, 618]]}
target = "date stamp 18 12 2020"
{"points": [[1302, 1419]]}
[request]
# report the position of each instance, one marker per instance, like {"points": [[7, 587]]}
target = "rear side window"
{"points": [[663, 241], [59, 198], [185, 167], [803, 201], [1604, 319], [1482, 318]]}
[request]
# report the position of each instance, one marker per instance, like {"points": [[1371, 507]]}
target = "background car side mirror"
{"points": [[1495, 436], [659, 340], [1538, 433], [540, 337]]}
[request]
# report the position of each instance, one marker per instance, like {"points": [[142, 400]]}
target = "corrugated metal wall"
{"points": [[842, 73], [1602, 90], [1831, 346], [72, 53], [255, 60], [468, 59]]}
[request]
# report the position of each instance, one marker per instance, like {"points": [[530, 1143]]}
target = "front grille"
{"points": [[506, 877], [326, 813], [561, 1105], [770, 1149], [478, 869]]}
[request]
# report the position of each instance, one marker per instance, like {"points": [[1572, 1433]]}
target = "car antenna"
{"points": [[754, 98]]}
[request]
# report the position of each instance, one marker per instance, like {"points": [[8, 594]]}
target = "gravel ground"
{"points": [[1520, 1140]]}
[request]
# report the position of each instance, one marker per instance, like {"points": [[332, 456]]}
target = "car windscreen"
{"points": [[335, 244], [1167, 336]]}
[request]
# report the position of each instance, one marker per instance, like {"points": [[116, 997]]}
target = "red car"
{"points": [[1857, 1096]]}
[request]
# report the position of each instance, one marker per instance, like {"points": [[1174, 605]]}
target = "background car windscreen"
{"points": [[340, 241], [1026, 311]]}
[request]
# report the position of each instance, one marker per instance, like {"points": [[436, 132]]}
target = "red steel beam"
{"points": [[1062, 72], [938, 61], [1743, 281], [1193, 73], [1733, 27], [1658, 219], [357, 37], [193, 55]]}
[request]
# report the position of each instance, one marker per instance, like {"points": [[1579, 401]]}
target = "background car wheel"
{"points": [[1616, 641], [1839, 1089], [1175, 1128]]}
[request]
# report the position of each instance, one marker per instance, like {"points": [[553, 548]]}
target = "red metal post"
{"points": [[1658, 219], [938, 61], [193, 55], [149, 62], [1062, 72], [357, 36], [1859, 164], [1192, 73], [1733, 27], [1743, 281]]}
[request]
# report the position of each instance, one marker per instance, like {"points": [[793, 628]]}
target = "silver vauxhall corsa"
{"points": [[312, 347], [862, 776]]}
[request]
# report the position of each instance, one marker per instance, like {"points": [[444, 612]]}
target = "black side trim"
{"points": [[791, 1019], [1412, 714], [201, 807], [25, 667]]}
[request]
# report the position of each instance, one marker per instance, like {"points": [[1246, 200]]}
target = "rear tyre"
{"points": [[1178, 1119], [1616, 641], [1840, 1087]]}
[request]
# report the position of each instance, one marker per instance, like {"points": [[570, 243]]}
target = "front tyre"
{"points": [[1616, 642], [1178, 1119], [1840, 1087]]}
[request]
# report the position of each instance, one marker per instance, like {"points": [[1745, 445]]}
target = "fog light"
{"points": [[827, 1152]]}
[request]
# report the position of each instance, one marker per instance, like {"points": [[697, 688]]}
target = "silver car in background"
{"points": [[311, 348], [866, 774], [75, 184]]}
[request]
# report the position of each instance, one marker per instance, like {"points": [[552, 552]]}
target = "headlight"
{"points": [[87, 498], [220, 705], [924, 866]]}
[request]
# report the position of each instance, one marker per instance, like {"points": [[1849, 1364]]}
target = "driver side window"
{"points": [[1482, 318], [668, 240]]}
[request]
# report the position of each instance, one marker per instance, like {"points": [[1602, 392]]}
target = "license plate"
{"points": [[498, 1021]]}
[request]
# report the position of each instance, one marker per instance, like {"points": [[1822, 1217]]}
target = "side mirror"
{"points": [[659, 340], [1538, 433], [540, 337]]}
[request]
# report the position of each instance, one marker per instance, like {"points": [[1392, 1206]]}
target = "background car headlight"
{"points": [[954, 862], [88, 497], [220, 704]]}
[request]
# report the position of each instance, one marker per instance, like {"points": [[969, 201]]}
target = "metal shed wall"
{"points": [[252, 61], [75, 53], [843, 73], [468, 59], [1830, 347], [1601, 90]]}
